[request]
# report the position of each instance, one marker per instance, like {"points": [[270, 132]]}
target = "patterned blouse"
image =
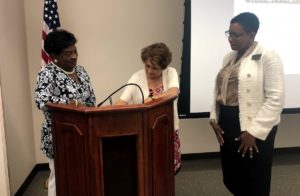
{"points": [[156, 91], [54, 86]]}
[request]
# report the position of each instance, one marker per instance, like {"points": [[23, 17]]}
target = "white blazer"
{"points": [[260, 91]]}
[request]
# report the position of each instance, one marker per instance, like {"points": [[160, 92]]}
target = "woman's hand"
{"points": [[121, 102], [247, 144], [148, 99], [76, 102], [218, 131]]}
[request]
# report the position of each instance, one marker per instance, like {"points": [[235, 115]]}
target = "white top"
{"points": [[260, 91], [132, 94]]}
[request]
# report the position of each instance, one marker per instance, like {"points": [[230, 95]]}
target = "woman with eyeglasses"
{"points": [[248, 100]]}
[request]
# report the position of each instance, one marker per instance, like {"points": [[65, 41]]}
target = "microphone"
{"points": [[128, 84]]}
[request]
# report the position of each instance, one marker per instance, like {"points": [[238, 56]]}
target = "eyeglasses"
{"points": [[233, 35]]}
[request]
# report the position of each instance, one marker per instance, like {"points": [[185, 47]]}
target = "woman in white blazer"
{"points": [[248, 101]]}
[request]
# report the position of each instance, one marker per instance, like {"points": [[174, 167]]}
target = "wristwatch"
{"points": [[152, 96]]}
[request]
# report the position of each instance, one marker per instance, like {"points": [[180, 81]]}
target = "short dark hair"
{"points": [[247, 20], [57, 40], [158, 53]]}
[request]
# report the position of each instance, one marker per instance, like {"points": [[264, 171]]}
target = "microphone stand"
{"points": [[129, 84]]}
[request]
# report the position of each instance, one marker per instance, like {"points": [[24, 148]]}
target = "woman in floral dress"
{"points": [[61, 81]]}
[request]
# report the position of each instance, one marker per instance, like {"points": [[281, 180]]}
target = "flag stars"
{"points": [[50, 14], [51, 21]]}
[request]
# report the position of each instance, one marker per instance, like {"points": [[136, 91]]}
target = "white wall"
{"points": [[111, 35], [16, 92], [4, 180]]}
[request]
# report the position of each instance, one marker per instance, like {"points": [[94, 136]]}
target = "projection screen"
{"points": [[205, 44]]}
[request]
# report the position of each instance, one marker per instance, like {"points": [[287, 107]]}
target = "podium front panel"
{"points": [[119, 165], [71, 153], [161, 150], [126, 151], [118, 153]]}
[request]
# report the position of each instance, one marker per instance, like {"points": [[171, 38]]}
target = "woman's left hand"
{"points": [[247, 144]]}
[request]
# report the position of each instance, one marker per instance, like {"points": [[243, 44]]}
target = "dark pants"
{"points": [[244, 176]]}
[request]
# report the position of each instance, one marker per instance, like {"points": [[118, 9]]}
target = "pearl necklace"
{"points": [[66, 72]]}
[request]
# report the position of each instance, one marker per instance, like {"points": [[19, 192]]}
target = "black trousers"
{"points": [[244, 176]]}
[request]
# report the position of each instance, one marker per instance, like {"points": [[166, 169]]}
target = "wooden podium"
{"points": [[114, 150]]}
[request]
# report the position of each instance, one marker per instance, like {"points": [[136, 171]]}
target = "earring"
{"points": [[55, 60]]}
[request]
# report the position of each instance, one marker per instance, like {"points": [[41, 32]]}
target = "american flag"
{"points": [[51, 21]]}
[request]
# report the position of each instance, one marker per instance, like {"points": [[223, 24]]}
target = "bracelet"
{"points": [[212, 121], [76, 102]]}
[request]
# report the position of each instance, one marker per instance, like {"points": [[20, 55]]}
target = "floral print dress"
{"points": [[54, 86]]}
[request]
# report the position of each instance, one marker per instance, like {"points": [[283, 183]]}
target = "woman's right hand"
{"points": [[76, 102], [218, 131]]}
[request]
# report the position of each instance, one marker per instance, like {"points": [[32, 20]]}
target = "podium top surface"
{"points": [[111, 108]]}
